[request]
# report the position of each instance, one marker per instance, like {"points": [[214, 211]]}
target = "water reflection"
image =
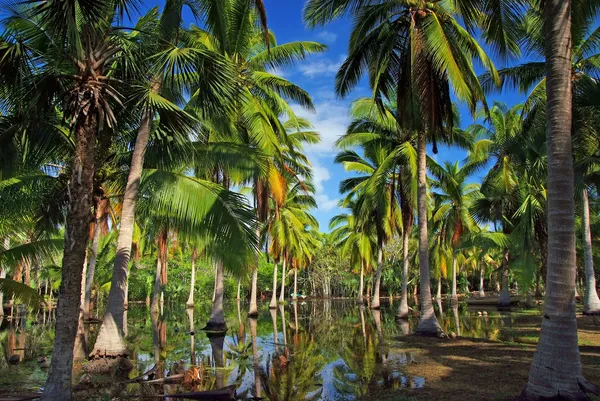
{"points": [[325, 350]]}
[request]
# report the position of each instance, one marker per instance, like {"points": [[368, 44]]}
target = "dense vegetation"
{"points": [[146, 160]]}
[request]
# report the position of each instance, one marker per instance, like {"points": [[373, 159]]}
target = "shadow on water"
{"points": [[317, 350]]}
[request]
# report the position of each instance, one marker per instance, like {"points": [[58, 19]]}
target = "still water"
{"points": [[314, 350]]}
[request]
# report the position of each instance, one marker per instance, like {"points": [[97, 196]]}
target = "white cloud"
{"points": [[320, 67], [327, 37], [330, 121], [321, 175]]}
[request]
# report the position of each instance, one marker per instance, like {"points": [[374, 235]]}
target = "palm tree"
{"points": [[89, 97], [453, 199], [354, 242], [376, 207], [382, 42], [156, 79], [558, 337]]}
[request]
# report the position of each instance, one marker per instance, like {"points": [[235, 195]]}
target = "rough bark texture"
{"points": [[375, 302], [282, 289], [428, 323], [217, 317], [77, 231], [556, 371], [190, 301], [273, 304], [403, 308], [80, 348], [591, 303], [110, 337]]}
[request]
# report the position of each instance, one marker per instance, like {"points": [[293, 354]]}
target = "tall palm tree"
{"points": [[558, 337], [422, 50], [454, 197], [376, 206], [88, 97], [354, 241], [208, 79]]}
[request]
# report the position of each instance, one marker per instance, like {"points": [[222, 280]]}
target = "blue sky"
{"points": [[316, 75]]}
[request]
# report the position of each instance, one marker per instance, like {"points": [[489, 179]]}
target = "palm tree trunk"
{"points": [[155, 307], [282, 290], [2, 275], [403, 308], [481, 274], [375, 303], [253, 311], [91, 268], [217, 317], [556, 370], [428, 323], [77, 232], [591, 303], [190, 301], [295, 296], [454, 297], [255, 359], [80, 347], [190, 313], [504, 300], [239, 289], [215, 284], [273, 304], [438, 294], [110, 337], [361, 288]]}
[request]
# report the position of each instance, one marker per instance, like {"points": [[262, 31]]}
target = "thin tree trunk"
{"points": [[155, 307], [2, 275], [253, 311], [273, 304], [556, 371], [295, 296], [375, 303], [403, 308], [215, 284], [454, 297], [504, 300], [481, 274], [591, 303], [282, 290], [438, 294], [255, 359], [190, 301], [91, 268], [77, 231], [80, 347], [428, 323], [361, 288], [190, 313], [110, 337], [217, 317], [239, 289]]}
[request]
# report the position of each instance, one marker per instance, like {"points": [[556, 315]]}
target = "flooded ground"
{"points": [[317, 350]]}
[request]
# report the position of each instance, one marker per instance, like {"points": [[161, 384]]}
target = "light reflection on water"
{"points": [[321, 350]]}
